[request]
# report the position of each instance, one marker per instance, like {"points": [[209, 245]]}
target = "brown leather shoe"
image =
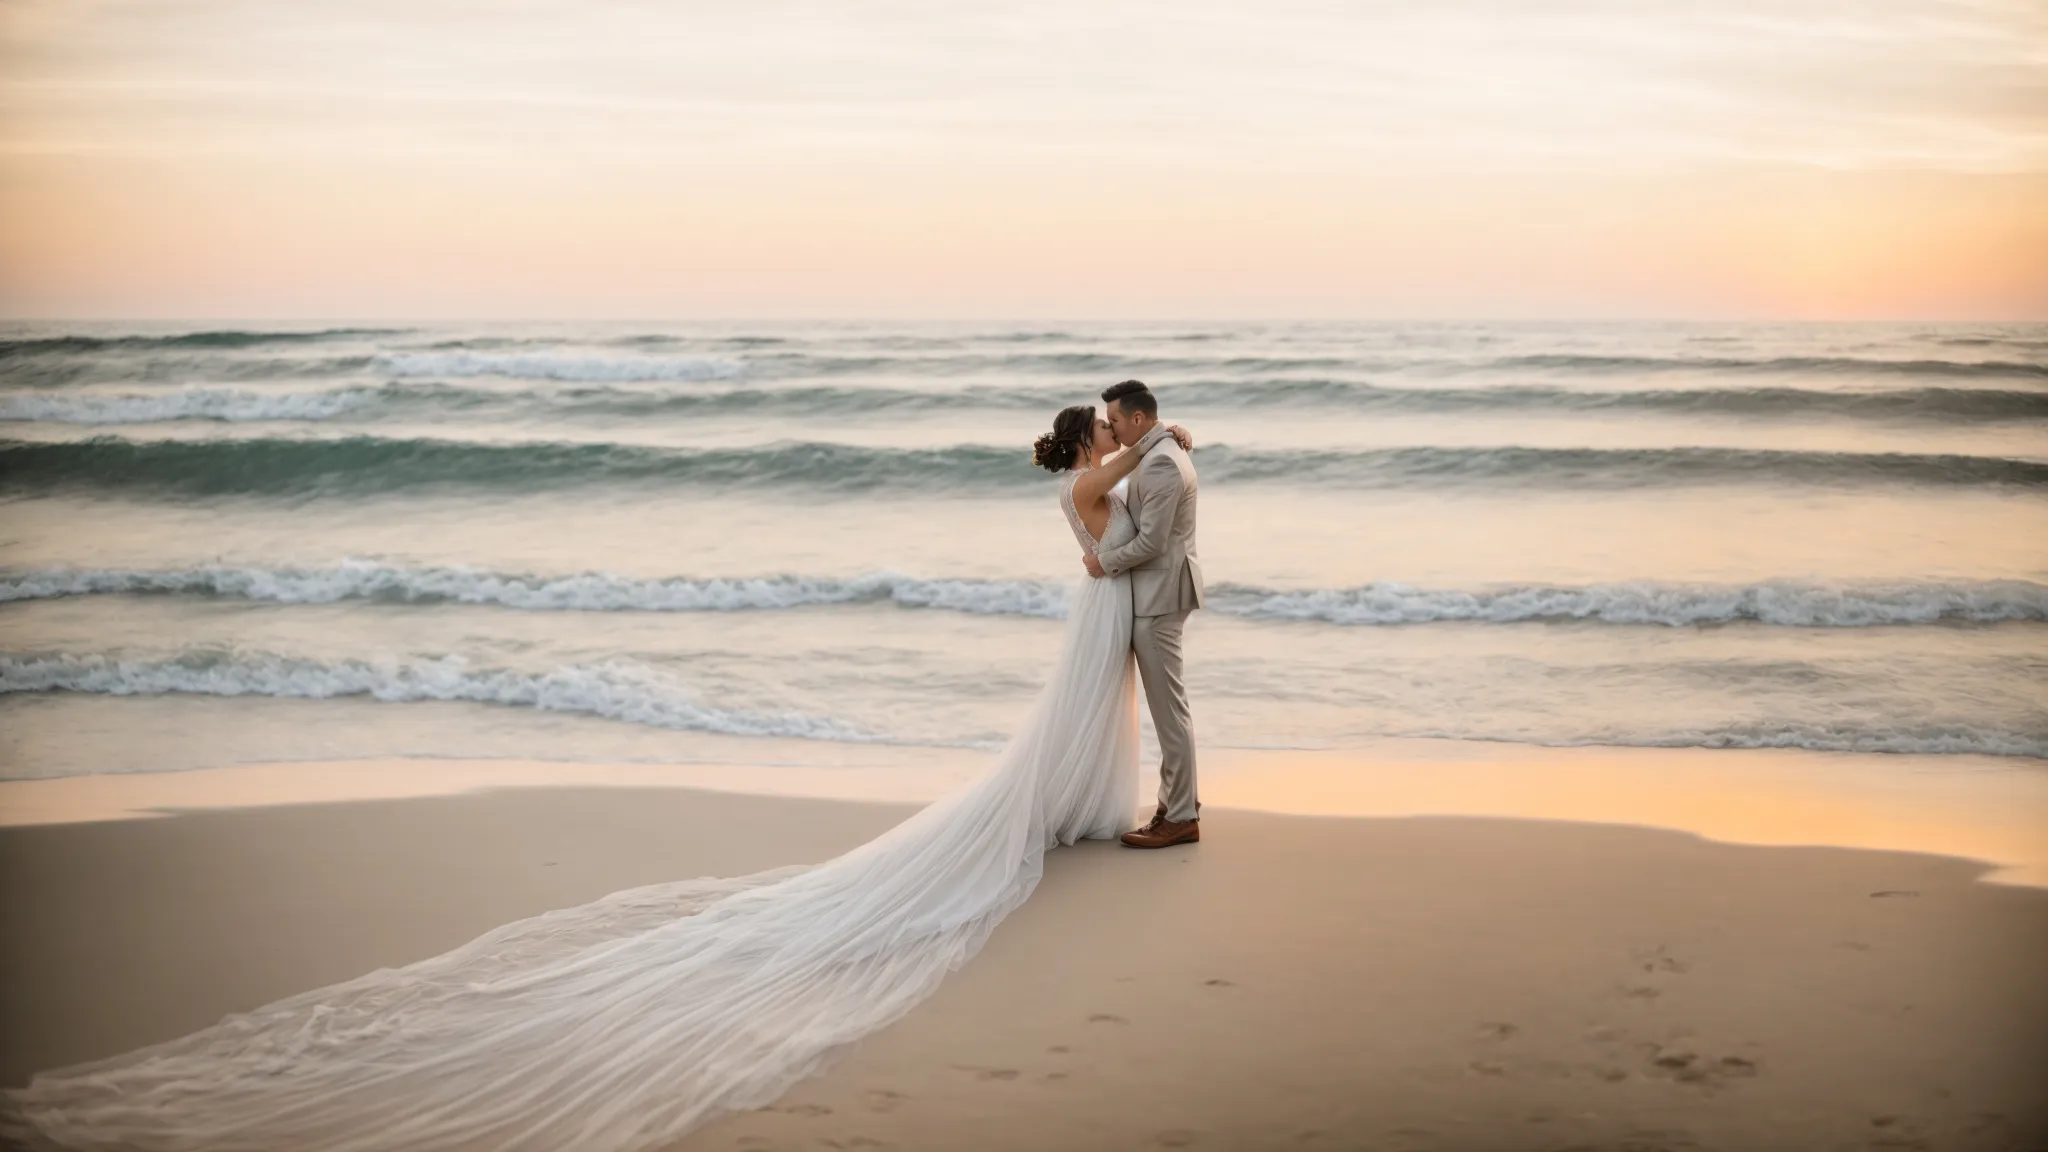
{"points": [[1165, 834]]}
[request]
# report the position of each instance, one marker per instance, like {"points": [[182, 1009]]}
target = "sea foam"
{"points": [[1780, 602], [1787, 603], [584, 592], [228, 404], [615, 690], [558, 366], [628, 692]]}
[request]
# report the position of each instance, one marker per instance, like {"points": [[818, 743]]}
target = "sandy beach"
{"points": [[1418, 982]]}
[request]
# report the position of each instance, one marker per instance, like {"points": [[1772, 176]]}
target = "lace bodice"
{"points": [[1118, 532]]}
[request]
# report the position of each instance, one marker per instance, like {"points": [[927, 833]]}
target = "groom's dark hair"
{"points": [[1134, 397]]}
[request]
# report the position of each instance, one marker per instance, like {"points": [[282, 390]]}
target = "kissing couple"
{"points": [[621, 1024]]}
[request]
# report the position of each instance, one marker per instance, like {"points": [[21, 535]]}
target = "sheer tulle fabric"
{"points": [[623, 1023]]}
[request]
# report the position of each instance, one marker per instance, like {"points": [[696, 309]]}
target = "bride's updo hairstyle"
{"points": [[1072, 431]]}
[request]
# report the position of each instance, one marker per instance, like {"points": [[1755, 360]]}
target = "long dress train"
{"points": [[625, 1022]]}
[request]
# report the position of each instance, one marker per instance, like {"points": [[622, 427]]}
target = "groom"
{"points": [[1166, 585]]}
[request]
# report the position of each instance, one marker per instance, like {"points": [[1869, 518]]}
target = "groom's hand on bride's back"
{"points": [[1093, 565]]}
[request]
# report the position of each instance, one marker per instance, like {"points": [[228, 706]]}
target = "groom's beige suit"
{"points": [[1166, 585]]}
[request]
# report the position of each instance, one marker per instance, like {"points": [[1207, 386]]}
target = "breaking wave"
{"points": [[615, 690], [587, 592], [1783, 603], [632, 693], [1780, 603]]}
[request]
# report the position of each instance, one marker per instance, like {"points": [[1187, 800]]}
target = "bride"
{"points": [[623, 1023]]}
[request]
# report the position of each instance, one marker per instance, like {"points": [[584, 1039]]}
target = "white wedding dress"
{"points": [[623, 1023]]}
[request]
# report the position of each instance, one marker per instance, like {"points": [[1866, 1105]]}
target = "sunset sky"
{"points": [[1052, 158]]}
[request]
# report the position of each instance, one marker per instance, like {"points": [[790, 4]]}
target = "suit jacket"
{"points": [[1166, 575]]}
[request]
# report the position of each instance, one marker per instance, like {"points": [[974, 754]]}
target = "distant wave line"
{"points": [[549, 366], [1775, 364], [357, 401], [774, 364], [231, 405], [1787, 603], [365, 464], [1934, 740], [656, 358], [225, 339]]}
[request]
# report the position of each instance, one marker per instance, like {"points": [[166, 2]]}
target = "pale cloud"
{"points": [[1918, 83]]}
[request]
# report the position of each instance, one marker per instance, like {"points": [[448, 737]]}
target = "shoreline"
{"points": [[1987, 809]]}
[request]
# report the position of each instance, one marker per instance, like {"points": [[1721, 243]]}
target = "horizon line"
{"points": [[1306, 319]]}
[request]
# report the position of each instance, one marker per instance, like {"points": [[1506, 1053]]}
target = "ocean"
{"points": [[640, 541]]}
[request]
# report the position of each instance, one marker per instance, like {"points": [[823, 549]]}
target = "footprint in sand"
{"points": [[1653, 1140], [1106, 1018], [1218, 983], [1059, 1049], [1898, 1134], [1991, 1128], [883, 1100], [989, 1073], [1659, 959], [1692, 1068], [1497, 1031]]}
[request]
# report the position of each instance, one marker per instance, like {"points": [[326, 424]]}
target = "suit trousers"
{"points": [[1156, 641]]}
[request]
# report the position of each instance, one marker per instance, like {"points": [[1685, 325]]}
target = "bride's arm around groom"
{"points": [[1166, 576]]}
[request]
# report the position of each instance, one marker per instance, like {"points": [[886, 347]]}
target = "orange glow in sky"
{"points": [[1109, 158]]}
